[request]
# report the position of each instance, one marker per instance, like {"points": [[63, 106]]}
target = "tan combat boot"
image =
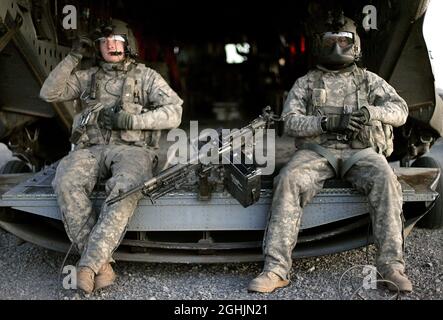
{"points": [[267, 282], [85, 279], [105, 277], [400, 279]]}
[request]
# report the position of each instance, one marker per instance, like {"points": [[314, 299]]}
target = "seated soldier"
{"points": [[342, 118], [125, 106]]}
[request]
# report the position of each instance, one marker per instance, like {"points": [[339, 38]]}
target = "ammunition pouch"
{"points": [[378, 136]]}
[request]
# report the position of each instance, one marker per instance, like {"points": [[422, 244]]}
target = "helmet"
{"points": [[338, 46], [121, 31]]}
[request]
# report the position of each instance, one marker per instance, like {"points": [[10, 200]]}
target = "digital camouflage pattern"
{"points": [[302, 110], [304, 176], [306, 172], [122, 158], [97, 236]]}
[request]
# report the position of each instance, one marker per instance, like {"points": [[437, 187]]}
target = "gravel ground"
{"points": [[31, 272]]}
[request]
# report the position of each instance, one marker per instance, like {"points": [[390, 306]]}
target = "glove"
{"points": [[361, 116], [110, 120], [83, 46], [342, 123], [122, 120], [105, 117]]}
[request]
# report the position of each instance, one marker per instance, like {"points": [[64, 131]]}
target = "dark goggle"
{"points": [[343, 39]]}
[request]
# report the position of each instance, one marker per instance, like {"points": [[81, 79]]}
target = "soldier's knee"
{"points": [[284, 178], [386, 180], [117, 186], [69, 182], [291, 179], [386, 176], [64, 185]]}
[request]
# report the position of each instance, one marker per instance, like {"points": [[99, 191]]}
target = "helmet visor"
{"points": [[343, 39]]}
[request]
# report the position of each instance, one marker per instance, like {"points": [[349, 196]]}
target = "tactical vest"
{"points": [[377, 135], [86, 128], [132, 102]]}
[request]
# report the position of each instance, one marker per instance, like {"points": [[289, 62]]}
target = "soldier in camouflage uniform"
{"points": [[342, 118], [116, 136]]}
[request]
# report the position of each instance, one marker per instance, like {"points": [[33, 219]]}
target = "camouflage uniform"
{"points": [[306, 172], [124, 156]]}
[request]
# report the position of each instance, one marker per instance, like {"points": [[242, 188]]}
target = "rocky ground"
{"points": [[31, 272]]}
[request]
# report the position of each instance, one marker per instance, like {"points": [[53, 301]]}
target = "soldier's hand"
{"points": [[362, 115], [342, 123], [105, 118], [335, 123], [111, 120], [122, 120], [83, 46], [358, 119]]}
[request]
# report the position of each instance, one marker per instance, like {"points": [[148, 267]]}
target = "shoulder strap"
{"points": [[361, 82], [318, 80], [315, 81], [93, 91], [94, 85]]}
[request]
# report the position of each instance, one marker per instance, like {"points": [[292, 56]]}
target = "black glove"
{"points": [[105, 118], [83, 46], [122, 120], [110, 120], [342, 123], [361, 116]]}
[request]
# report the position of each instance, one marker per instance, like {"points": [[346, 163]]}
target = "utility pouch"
{"points": [[318, 97]]}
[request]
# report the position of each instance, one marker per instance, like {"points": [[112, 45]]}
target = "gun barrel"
{"points": [[125, 194]]}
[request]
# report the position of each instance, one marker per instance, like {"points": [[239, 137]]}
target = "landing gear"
{"points": [[433, 159], [15, 166], [25, 146]]}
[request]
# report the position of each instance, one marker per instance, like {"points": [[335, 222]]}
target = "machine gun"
{"points": [[175, 176]]}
